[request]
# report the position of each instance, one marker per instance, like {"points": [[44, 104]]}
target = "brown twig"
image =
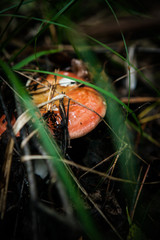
{"points": [[139, 99], [139, 192]]}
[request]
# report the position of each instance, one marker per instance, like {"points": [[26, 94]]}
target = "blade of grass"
{"points": [[17, 29], [144, 134], [34, 57], [87, 36], [117, 121], [126, 49], [106, 93], [53, 150], [15, 5], [148, 109], [139, 192], [103, 91], [134, 193], [55, 16], [117, 124], [14, 33], [150, 118], [123, 38], [11, 19], [64, 26], [125, 60]]}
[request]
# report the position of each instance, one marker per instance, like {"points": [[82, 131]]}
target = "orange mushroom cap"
{"points": [[3, 124], [86, 112], [40, 92], [86, 109]]}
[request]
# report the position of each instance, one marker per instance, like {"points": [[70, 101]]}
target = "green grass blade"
{"points": [[11, 19], [55, 16], [123, 38], [34, 57], [106, 93], [125, 45], [15, 5], [53, 150], [67, 27], [120, 134]]}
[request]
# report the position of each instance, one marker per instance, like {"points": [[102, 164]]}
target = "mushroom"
{"points": [[3, 123], [44, 90], [86, 108]]}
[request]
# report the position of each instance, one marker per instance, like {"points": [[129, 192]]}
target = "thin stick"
{"points": [[140, 99], [139, 192]]}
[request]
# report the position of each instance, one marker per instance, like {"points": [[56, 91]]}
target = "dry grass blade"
{"points": [[148, 109], [26, 140], [139, 157], [150, 118], [30, 78], [21, 121], [5, 175], [144, 134], [113, 166], [94, 204], [83, 168], [139, 99], [100, 163], [139, 192], [58, 97]]}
